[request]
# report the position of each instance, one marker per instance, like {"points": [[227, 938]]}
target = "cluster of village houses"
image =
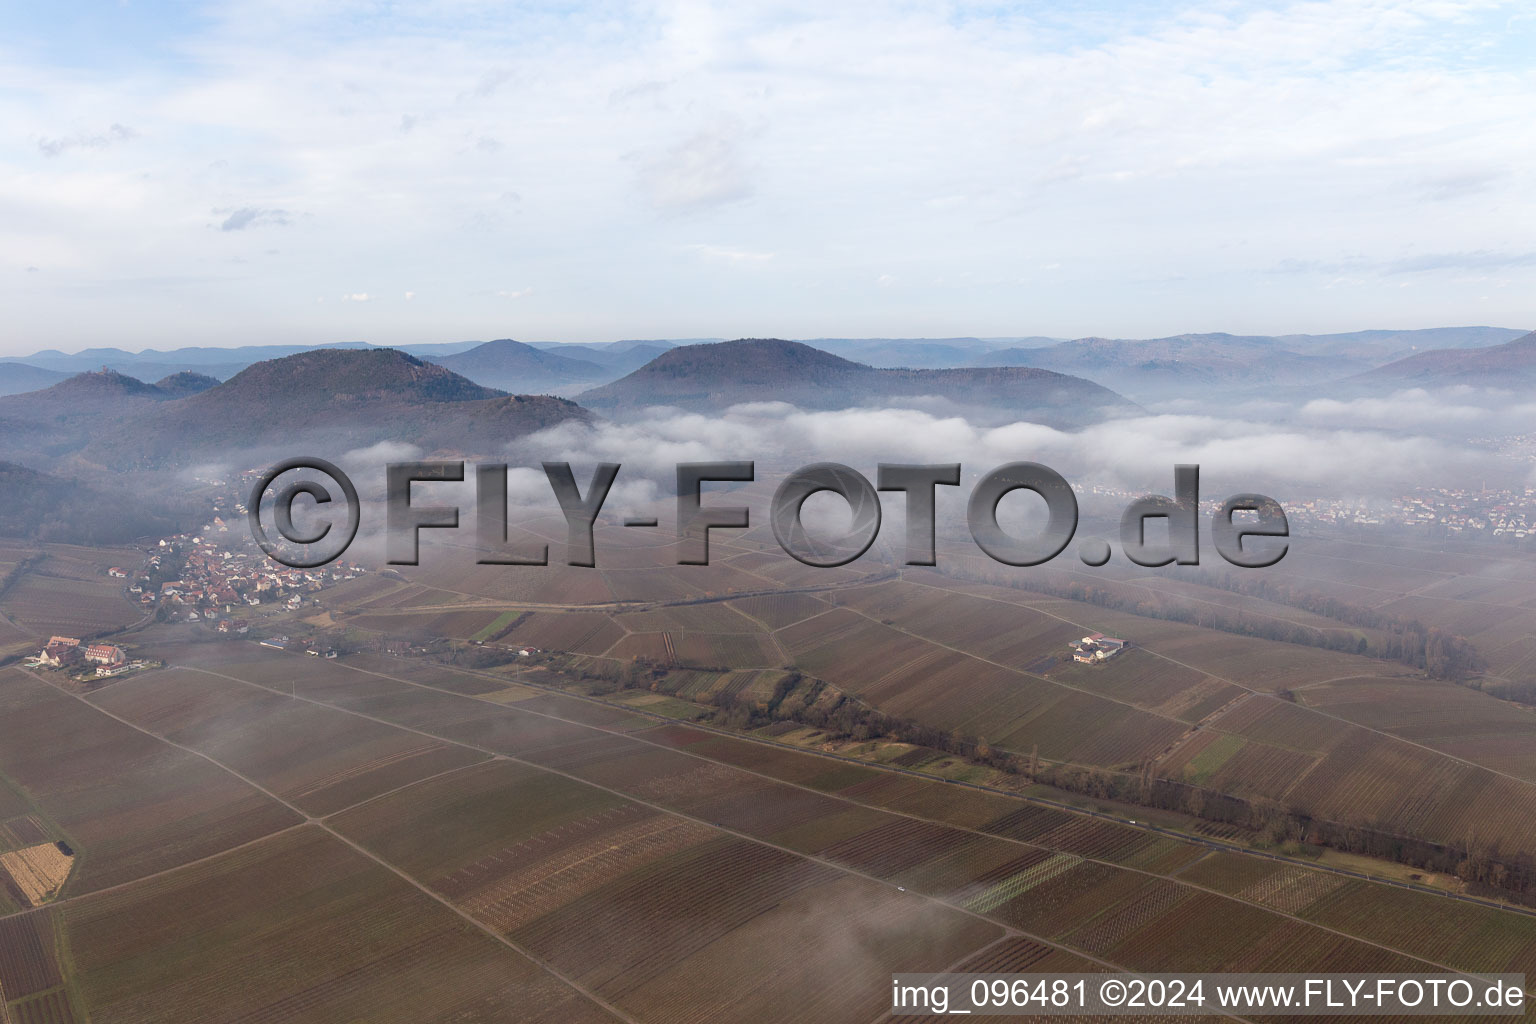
{"points": [[219, 580], [1096, 647], [1476, 512]]}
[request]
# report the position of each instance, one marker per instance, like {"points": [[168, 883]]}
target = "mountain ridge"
{"points": [[514, 366], [716, 376], [324, 399], [1492, 366]]}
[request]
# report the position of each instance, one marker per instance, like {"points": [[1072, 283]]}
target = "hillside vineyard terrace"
{"points": [[405, 521]]}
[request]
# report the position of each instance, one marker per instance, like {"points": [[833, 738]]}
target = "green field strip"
{"points": [[502, 621], [1018, 884], [1209, 761]]}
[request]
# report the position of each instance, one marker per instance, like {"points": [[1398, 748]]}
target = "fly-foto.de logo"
{"points": [[1257, 538]]}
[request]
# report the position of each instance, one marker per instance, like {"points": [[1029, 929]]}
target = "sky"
{"points": [[284, 172]]}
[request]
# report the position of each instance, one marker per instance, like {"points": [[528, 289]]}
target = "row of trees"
{"points": [[1439, 654], [811, 702], [1483, 866]]}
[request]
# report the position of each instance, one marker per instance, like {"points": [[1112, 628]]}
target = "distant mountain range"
{"points": [[61, 417], [325, 399], [84, 431], [925, 353], [17, 378], [965, 372], [337, 399], [1191, 360], [27, 373], [616, 358], [1510, 364], [513, 366], [1183, 365], [1192, 365], [712, 377], [1384, 346]]}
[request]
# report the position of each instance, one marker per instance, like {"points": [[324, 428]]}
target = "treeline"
{"points": [[1431, 650], [18, 570], [468, 656], [1485, 868], [1439, 654], [1521, 691], [812, 702]]}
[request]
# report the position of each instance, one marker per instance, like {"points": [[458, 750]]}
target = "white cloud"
{"points": [[703, 170], [729, 256], [381, 453], [251, 216], [1235, 453], [96, 140], [1412, 408], [1160, 160]]}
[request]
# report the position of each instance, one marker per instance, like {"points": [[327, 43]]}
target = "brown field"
{"points": [[22, 830], [363, 591], [12, 803], [579, 632], [676, 872], [630, 901], [779, 610], [709, 792], [725, 650], [910, 677], [129, 804], [1140, 678], [83, 563], [45, 605], [1010, 634], [1439, 929], [318, 759], [650, 646], [289, 673], [1283, 724], [298, 928], [988, 660], [1459, 721], [1231, 764], [28, 956], [461, 624], [1254, 663], [48, 1008], [685, 875], [682, 583], [715, 617], [554, 584], [1343, 772]]}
